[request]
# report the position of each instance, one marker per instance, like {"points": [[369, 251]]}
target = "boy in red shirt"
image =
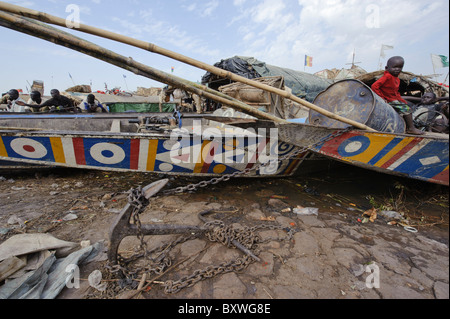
{"points": [[387, 88]]}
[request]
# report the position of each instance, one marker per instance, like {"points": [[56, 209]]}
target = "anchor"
{"points": [[122, 227]]}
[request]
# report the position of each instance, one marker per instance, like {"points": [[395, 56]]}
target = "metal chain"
{"points": [[227, 177], [246, 236], [217, 232], [138, 201]]}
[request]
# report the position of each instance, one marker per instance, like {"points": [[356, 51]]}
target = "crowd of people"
{"points": [[57, 103]]}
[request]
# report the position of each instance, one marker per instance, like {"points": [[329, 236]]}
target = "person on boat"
{"points": [[91, 105], [36, 100], [4, 99], [387, 87], [59, 103], [15, 102]]}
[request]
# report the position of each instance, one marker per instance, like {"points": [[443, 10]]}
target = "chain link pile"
{"points": [[215, 231]]}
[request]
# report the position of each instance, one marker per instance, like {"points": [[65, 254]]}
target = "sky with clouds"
{"points": [[278, 32]]}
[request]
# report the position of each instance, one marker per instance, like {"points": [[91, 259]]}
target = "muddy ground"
{"points": [[338, 253]]}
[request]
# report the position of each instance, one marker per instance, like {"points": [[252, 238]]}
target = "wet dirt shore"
{"points": [[317, 236]]}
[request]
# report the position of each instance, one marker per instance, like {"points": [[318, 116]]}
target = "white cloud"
{"points": [[238, 3], [128, 28], [160, 31], [209, 8], [144, 14], [268, 11], [85, 10], [191, 7], [282, 32]]}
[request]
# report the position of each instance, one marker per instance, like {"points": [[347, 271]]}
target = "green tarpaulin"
{"points": [[141, 107]]}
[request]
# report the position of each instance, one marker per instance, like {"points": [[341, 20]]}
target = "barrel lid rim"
{"points": [[343, 125]]}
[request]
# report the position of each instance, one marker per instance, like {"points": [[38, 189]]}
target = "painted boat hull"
{"points": [[188, 154], [424, 157]]}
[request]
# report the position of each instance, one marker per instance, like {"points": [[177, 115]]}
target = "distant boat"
{"points": [[128, 103]]}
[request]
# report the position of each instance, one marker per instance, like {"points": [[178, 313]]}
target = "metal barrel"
{"points": [[354, 100]]}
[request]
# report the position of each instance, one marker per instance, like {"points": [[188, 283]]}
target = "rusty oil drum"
{"points": [[354, 100]]}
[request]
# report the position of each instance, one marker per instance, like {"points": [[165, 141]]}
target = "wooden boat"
{"points": [[85, 144], [152, 142], [346, 126], [389, 150], [422, 157]]}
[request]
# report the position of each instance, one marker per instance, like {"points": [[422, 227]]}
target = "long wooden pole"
{"points": [[47, 18], [65, 39]]}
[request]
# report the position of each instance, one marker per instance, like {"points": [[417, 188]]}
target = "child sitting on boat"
{"points": [[387, 87]]}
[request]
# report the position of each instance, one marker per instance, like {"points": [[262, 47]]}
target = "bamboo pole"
{"points": [[44, 17], [65, 39]]}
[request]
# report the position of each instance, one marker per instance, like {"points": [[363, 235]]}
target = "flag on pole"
{"points": [[439, 61], [385, 47], [72, 79], [308, 61]]}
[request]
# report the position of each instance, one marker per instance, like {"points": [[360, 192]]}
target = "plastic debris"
{"points": [[15, 188], [95, 281], [369, 215], [410, 229], [16, 220], [69, 217], [85, 243], [305, 211], [391, 214]]}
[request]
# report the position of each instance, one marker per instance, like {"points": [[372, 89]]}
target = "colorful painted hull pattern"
{"points": [[187, 156], [417, 157]]}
